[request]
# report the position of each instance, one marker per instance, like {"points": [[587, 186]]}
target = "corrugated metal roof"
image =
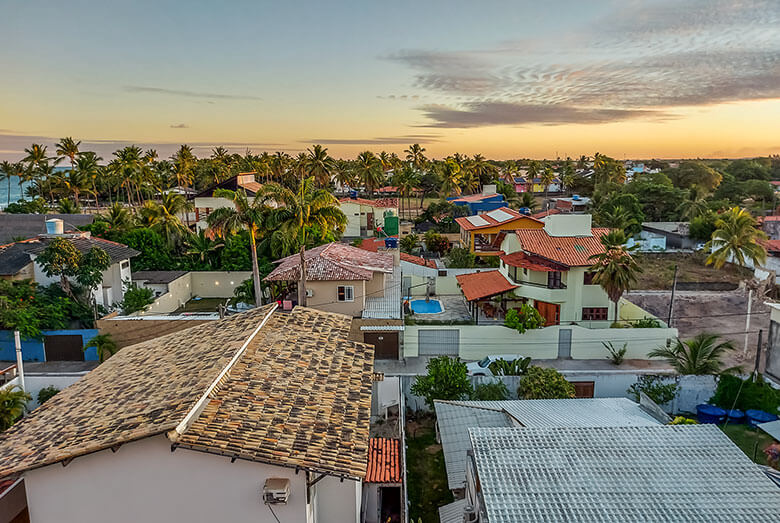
{"points": [[772, 428], [660, 473], [452, 512], [454, 421]]}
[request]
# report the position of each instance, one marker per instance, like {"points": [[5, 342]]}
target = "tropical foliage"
{"points": [[13, 403], [736, 239], [615, 270], [524, 319], [105, 346], [658, 389], [446, 379], [544, 383], [700, 355]]}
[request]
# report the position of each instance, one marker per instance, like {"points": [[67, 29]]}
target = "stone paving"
{"points": [[455, 309]]}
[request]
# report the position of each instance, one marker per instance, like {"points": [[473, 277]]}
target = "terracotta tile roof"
{"points": [[417, 260], [541, 214], [467, 222], [333, 261], [381, 202], [531, 262], [573, 251], [475, 197], [298, 396], [478, 285], [772, 246], [384, 461], [373, 244], [771, 218]]}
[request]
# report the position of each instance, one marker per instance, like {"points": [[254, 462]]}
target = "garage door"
{"points": [[436, 342], [385, 344], [64, 347]]}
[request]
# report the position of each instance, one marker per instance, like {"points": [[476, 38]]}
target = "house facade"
{"points": [[365, 217], [482, 234], [205, 202]]}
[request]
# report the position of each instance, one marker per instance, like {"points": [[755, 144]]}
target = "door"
{"points": [[583, 389], [438, 342], [370, 221], [385, 344], [564, 344], [551, 312], [64, 347], [407, 286]]}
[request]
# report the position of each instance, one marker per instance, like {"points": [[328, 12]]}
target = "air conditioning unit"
{"points": [[276, 491], [470, 515], [309, 293]]}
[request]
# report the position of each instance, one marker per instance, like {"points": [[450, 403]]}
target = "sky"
{"points": [[507, 79]]}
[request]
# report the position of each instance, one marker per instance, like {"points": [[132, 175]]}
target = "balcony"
{"points": [[553, 292]]}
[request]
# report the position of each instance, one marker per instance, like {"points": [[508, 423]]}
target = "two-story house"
{"points": [[205, 202], [483, 233], [367, 217]]}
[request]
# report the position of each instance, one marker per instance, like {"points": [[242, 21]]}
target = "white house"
{"points": [[261, 417], [364, 216], [205, 202]]}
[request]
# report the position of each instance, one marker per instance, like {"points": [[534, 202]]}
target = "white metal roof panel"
{"points": [[651, 474], [477, 221], [772, 428], [452, 512], [500, 216]]}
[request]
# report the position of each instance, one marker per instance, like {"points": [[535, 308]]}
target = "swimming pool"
{"points": [[426, 307]]}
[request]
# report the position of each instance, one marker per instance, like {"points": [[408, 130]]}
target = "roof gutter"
{"points": [[196, 410]]}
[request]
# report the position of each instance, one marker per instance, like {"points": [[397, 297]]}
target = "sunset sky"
{"points": [[509, 79]]}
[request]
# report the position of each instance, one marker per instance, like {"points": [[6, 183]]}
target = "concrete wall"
{"points": [[478, 341], [205, 284], [33, 349], [145, 481]]}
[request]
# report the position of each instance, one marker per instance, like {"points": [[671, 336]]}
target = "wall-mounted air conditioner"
{"points": [[309, 293], [276, 491]]}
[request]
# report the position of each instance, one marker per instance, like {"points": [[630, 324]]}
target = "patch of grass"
{"points": [[426, 475], [745, 437], [658, 270]]}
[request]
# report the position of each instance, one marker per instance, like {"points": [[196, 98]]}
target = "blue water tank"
{"points": [[710, 413], [735, 416], [353, 194], [575, 197], [755, 417], [391, 243], [524, 210]]}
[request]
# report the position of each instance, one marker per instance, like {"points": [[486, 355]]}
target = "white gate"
{"points": [[437, 342]]}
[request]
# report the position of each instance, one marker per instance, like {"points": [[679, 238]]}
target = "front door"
{"points": [[385, 344], [64, 347], [551, 312]]}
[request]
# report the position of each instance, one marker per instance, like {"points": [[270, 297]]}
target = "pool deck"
{"points": [[455, 309]]}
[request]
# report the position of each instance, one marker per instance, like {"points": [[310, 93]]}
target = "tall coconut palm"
{"points": [[319, 164], [451, 176], [298, 215], [202, 247], [484, 171], [10, 170], [416, 156], [127, 168], [615, 269], [163, 216], [616, 217], [527, 200], [117, 218], [68, 148], [368, 170], [700, 355], [547, 176], [88, 169], [35, 157], [406, 180], [245, 214], [183, 168], [736, 239]]}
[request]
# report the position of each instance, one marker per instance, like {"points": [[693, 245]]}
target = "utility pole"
{"points": [[671, 300], [19, 364], [756, 370], [747, 320]]}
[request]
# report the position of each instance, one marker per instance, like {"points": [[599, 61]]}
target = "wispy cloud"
{"points": [[642, 61], [393, 140], [188, 94], [179, 126]]}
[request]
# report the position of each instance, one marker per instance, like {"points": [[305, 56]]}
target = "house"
{"points": [[487, 200], [771, 226], [260, 417], [518, 181], [384, 480], [576, 204], [538, 185], [482, 234], [205, 202], [370, 217], [15, 227], [638, 473], [455, 418], [17, 261], [676, 233]]}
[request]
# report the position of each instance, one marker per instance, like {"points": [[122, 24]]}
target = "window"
{"points": [[594, 314], [125, 265], [589, 278], [583, 389], [443, 273], [346, 293], [554, 280]]}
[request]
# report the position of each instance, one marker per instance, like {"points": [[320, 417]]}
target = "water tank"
{"points": [[524, 210], [54, 226], [391, 243], [575, 197], [756, 417], [353, 194], [710, 413]]}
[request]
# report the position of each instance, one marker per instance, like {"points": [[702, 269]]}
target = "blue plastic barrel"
{"points": [[353, 194], [710, 413], [735, 416], [755, 417], [391, 242]]}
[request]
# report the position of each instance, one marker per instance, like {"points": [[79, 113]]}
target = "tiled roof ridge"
{"points": [[459, 403]]}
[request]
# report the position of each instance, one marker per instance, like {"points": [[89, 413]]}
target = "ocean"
{"points": [[16, 193]]}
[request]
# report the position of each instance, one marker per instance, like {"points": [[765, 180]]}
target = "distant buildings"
{"points": [[205, 202], [370, 217]]}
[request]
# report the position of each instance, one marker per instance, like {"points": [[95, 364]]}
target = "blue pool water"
{"points": [[426, 307]]}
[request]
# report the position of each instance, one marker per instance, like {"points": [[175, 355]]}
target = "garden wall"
{"points": [[205, 284]]}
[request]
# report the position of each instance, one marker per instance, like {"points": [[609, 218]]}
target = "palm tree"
{"points": [[9, 170], [700, 355], [528, 200], [484, 171], [13, 403], [616, 217], [736, 239], [105, 346], [450, 174], [368, 170], [202, 247], [415, 155], [34, 160], [299, 214], [547, 177], [615, 269], [117, 218], [319, 164], [245, 214], [127, 168], [406, 180], [69, 148], [164, 216], [87, 169]]}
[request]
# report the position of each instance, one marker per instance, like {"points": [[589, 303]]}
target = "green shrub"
{"points": [[682, 420], [735, 393], [655, 389], [36, 206], [447, 379], [647, 323], [496, 391], [46, 393], [517, 367], [616, 356], [460, 258], [527, 318], [543, 383], [136, 298]]}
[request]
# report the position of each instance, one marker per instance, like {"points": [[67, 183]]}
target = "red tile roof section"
{"points": [[573, 251], [771, 245], [531, 262], [542, 214], [333, 261], [417, 260], [384, 461], [381, 202], [474, 197], [516, 216], [478, 285], [372, 244]]}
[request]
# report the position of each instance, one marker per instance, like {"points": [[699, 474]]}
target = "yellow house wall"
{"points": [[326, 297], [520, 223], [375, 287]]}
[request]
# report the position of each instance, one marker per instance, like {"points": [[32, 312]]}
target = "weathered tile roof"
{"points": [[30, 225], [467, 222], [298, 396], [116, 251], [483, 284], [333, 261], [534, 263], [573, 251], [384, 461], [389, 203], [417, 260], [13, 258]]}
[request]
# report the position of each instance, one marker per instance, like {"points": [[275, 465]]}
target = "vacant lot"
{"points": [[658, 271], [751, 441], [426, 475]]}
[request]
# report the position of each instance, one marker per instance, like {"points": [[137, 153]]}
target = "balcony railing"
{"points": [[556, 286]]}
